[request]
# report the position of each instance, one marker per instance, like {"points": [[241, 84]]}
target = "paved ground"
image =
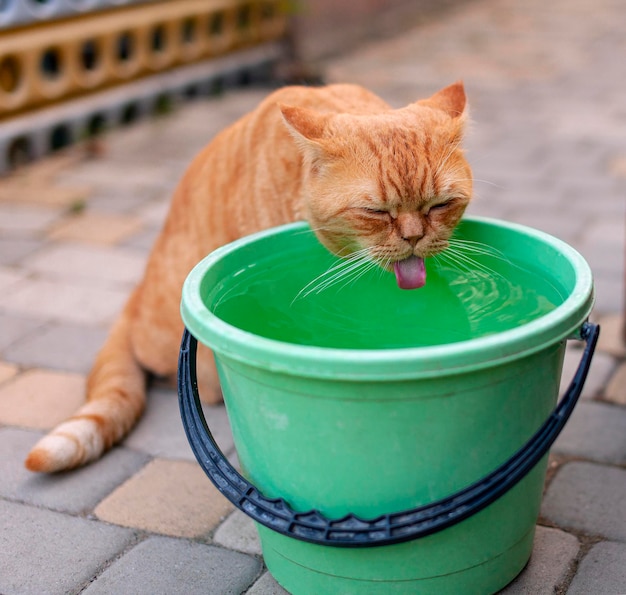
{"points": [[548, 91]]}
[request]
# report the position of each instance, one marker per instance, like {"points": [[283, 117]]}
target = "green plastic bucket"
{"points": [[391, 441]]}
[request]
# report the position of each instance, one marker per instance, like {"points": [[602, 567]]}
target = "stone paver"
{"points": [[595, 431], [13, 250], [74, 492], [119, 199], [169, 497], [43, 194], [143, 241], [183, 567], [553, 556], [266, 585], [604, 255], [24, 221], [70, 347], [588, 497], [64, 302], [160, 431], [599, 373], [16, 328], [9, 278], [238, 532], [602, 571], [609, 288], [7, 371], [96, 228], [616, 389], [610, 340], [134, 176], [41, 398], [48, 552], [154, 214], [90, 265]]}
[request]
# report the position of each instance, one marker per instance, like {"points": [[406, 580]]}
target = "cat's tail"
{"points": [[116, 394]]}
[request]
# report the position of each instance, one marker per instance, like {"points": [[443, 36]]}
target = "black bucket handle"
{"points": [[350, 530]]}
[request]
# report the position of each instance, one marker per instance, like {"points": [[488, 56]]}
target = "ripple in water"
{"points": [[457, 303]]}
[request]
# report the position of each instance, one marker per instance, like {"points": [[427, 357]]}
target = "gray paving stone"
{"points": [[602, 571], [532, 199], [266, 585], [590, 197], [573, 162], [133, 175], [154, 213], [162, 565], [47, 552], [606, 257], [59, 346], [160, 431], [553, 555], [610, 340], [76, 491], [16, 328], [143, 241], [609, 293], [13, 250], [602, 367], [9, 278], [238, 532], [119, 200], [588, 497], [550, 220], [92, 265], [25, 221], [595, 431], [483, 205], [589, 123], [64, 301]]}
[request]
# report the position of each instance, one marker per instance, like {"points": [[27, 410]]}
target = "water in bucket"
{"points": [[473, 293]]}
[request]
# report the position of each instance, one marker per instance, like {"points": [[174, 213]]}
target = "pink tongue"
{"points": [[410, 272]]}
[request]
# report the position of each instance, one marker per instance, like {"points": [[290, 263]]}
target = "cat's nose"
{"points": [[411, 228], [413, 239]]}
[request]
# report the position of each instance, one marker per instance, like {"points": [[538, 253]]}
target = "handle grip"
{"points": [[350, 530]]}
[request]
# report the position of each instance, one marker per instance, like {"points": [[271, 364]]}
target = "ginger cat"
{"points": [[364, 175]]}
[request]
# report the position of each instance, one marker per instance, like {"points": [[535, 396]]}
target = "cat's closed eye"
{"points": [[375, 212], [440, 206]]}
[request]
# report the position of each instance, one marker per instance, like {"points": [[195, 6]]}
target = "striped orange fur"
{"points": [[390, 182]]}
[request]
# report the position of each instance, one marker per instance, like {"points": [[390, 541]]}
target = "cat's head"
{"points": [[392, 185]]}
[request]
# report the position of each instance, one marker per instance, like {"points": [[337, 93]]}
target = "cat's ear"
{"points": [[450, 100], [306, 126]]}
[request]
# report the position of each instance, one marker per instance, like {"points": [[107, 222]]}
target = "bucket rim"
{"points": [[309, 361]]}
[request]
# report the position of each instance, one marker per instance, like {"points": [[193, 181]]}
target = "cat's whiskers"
{"points": [[384, 265], [450, 258], [478, 248], [458, 256], [311, 230], [346, 275], [348, 269], [370, 264], [479, 180]]}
